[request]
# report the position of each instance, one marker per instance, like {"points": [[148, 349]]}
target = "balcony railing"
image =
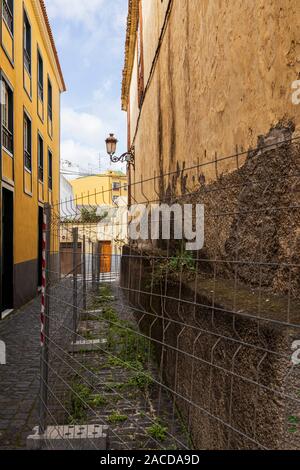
{"points": [[27, 156], [27, 60], [8, 16], [7, 139]]}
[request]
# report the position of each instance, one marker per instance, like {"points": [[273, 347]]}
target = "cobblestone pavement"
{"points": [[130, 402], [19, 378], [117, 384], [19, 382]]}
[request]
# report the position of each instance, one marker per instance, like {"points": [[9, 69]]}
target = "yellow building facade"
{"points": [[102, 189], [31, 84]]}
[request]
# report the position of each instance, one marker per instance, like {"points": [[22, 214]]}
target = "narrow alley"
{"points": [[149, 227]]}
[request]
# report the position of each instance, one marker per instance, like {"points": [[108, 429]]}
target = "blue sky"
{"points": [[90, 38]]}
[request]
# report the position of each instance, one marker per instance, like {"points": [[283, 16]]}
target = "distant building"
{"points": [[102, 189], [99, 211], [112, 234], [67, 199]]}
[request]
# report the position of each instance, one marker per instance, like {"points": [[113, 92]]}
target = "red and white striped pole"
{"points": [[45, 319], [43, 307]]}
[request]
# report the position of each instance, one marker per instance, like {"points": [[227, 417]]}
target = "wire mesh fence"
{"points": [[146, 345]]}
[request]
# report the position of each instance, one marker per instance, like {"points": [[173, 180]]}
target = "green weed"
{"points": [[158, 431], [141, 380], [293, 420], [117, 417]]}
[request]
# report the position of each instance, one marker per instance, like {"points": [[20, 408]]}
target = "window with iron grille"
{"points": [[49, 100], [27, 143], [27, 43], [50, 170], [7, 117], [40, 77], [8, 14], [40, 158]]}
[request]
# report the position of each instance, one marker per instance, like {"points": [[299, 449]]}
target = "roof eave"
{"points": [[131, 32]]}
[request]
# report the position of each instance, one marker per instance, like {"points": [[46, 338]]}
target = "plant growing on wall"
{"points": [[90, 216]]}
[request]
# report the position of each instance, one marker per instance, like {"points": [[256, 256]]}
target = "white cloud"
{"points": [[83, 137], [75, 10], [85, 127], [83, 157], [83, 140], [100, 93], [90, 35]]}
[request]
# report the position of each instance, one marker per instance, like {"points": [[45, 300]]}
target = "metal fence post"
{"points": [[45, 320], [98, 259], [93, 266], [92, 263], [84, 273], [75, 271]]}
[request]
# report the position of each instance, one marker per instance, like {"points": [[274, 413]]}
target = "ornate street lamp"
{"points": [[111, 147]]}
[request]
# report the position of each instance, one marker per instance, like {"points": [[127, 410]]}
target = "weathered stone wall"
{"points": [[235, 384], [252, 218], [228, 372], [223, 77]]}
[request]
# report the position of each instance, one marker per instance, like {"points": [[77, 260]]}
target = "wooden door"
{"points": [[105, 257], [66, 258]]}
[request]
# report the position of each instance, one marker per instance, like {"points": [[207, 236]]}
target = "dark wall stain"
{"points": [[160, 136], [187, 73], [172, 112]]}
